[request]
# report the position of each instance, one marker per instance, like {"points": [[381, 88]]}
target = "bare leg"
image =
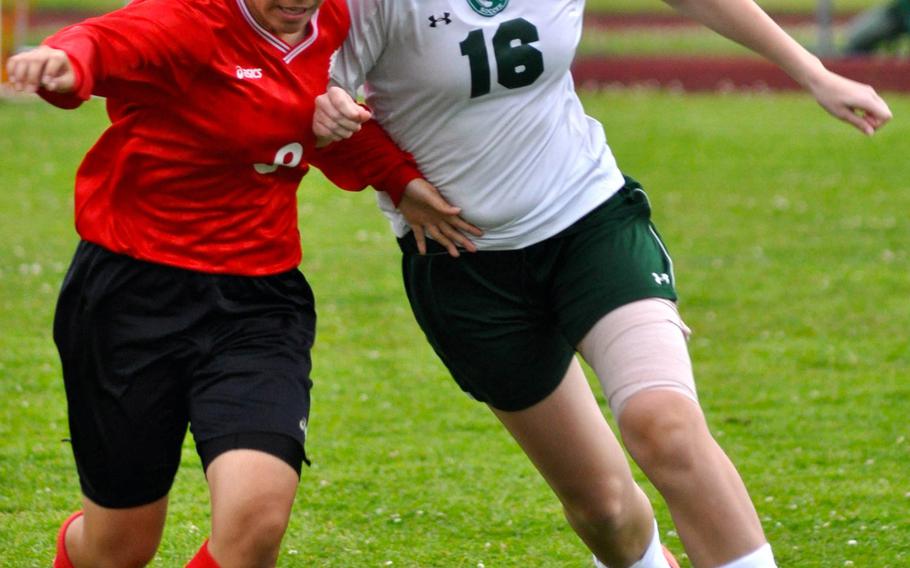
{"points": [[115, 538], [640, 355], [667, 436], [252, 495], [571, 444]]}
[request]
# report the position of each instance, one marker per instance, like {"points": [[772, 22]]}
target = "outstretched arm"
{"points": [[42, 67], [154, 46], [744, 22]]}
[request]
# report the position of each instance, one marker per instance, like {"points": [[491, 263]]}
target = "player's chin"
{"points": [[291, 25], [290, 21]]}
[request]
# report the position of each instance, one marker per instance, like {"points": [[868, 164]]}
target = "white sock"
{"points": [[652, 558], [761, 557]]}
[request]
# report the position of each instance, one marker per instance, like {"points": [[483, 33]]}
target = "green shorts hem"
{"points": [[580, 326]]}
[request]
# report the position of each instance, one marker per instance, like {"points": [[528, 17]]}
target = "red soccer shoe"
{"points": [[62, 560]]}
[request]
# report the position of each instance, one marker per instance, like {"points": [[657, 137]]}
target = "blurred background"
{"points": [[633, 42]]}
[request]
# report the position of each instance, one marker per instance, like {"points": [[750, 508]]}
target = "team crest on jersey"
{"points": [[488, 8]]}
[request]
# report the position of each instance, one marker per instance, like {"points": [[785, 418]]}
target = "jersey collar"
{"points": [[290, 52]]}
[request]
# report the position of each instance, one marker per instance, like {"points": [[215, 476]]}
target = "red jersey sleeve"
{"points": [[146, 47], [369, 157]]}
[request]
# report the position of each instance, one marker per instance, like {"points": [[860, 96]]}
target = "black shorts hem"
{"points": [[136, 499], [289, 449]]}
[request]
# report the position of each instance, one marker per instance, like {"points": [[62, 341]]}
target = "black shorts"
{"points": [[148, 349], [506, 323]]}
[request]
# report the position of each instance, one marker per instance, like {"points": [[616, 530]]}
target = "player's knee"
{"points": [[663, 431], [266, 531], [251, 508], [602, 503], [262, 544], [135, 552], [254, 534]]}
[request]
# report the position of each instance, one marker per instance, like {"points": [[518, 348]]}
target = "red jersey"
{"points": [[211, 133]]}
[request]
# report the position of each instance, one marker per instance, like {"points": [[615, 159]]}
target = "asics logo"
{"points": [[248, 73]]}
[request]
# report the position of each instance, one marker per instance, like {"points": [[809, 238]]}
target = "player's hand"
{"points": [[852, 102], [337, 116], [429, 214], [42, 67]]}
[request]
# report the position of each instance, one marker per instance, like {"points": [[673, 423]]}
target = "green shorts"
{"points": [[506, 323]]}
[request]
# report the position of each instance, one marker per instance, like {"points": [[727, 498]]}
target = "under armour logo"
{"points": [[303, 426], [662, 278], [446, 19]]}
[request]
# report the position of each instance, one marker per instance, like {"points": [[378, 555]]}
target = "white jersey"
{"points": [[480, 93]]}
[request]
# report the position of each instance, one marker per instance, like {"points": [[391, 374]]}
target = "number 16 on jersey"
{"points": [[518, 63]]}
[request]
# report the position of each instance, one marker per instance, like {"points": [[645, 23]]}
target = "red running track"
{"points": [[729, 73], [672, 19]]}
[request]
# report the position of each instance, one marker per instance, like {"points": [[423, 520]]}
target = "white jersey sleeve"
{"points": [[480, 93], [362, 48]]}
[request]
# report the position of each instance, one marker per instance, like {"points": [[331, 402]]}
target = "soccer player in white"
{"points": [[480, 92]]}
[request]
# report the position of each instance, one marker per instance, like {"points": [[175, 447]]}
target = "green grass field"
{"points": [[792, 249], [89, 5]]}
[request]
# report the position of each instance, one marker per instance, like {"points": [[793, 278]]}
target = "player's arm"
{"points": [[140, 44], [744, 22], [338, 117], [369, 157]]}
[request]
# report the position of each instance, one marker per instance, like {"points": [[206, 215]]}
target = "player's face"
{"points": [[284, 18]]}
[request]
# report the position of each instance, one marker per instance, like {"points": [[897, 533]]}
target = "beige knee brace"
{"points": [[640, 346]]}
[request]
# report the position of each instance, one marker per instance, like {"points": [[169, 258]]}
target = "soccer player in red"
{"points": [[183, 305]]}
